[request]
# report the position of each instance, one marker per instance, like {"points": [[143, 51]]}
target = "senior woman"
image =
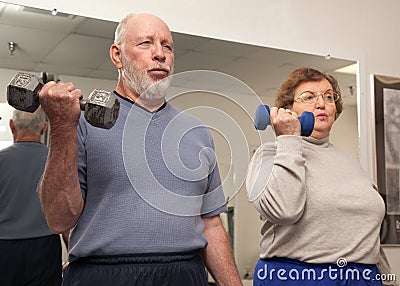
{"points": [[321, 212]]}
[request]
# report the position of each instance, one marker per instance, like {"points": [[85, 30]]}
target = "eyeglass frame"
{"points": [[336, 97]]}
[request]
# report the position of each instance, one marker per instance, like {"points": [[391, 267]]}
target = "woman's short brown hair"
{"points": [[285, 94]]}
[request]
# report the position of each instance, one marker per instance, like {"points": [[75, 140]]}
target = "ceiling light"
{"points": [[11, 47], [350, 69]]}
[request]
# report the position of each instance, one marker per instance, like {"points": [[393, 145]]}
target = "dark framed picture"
{"points": [[387, 138]]}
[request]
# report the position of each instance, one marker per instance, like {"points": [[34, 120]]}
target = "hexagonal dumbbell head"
{"points": [[23, 92], [101, 109]]}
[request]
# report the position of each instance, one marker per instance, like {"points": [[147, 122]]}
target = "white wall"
{"points": [[344, 133], [360, 30]]}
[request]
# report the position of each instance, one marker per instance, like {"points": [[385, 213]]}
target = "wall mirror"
{"points": [[76, 47]]}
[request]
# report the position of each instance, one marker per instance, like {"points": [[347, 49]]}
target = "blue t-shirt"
{"points": [[147, 182], [21, 167]]}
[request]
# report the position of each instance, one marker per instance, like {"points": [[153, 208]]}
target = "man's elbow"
{"points": [[58, 228]]}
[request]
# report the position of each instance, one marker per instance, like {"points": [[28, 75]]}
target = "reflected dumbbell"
{"points": [[101, 108], [262, 120]]}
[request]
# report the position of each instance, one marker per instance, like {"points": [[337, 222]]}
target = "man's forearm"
{"points": [[218, 254], [60, 193]]}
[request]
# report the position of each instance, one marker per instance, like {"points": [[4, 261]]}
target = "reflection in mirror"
{"points": [[60, 44], [76, 49]]}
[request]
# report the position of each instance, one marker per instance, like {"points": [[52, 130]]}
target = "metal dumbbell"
{"points": [[262, 120], [101, 108]]}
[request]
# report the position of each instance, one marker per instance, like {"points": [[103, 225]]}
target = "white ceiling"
{"points": [[74, 45]]}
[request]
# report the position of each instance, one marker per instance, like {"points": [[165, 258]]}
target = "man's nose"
{"points": [[158, 53]]}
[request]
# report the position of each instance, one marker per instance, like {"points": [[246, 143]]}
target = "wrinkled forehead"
{"points": [[144, 25]]}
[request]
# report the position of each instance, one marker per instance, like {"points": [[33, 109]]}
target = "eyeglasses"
{"points": [[310, 97]]}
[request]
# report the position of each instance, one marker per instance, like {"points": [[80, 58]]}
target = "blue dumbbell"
{"points": [[262, 120]]}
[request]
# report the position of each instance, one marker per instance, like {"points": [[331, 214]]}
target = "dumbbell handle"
{"points": [[262, 120], [82, 103]]}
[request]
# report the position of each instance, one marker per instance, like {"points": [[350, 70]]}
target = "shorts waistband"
{"points": [[166, 257]]}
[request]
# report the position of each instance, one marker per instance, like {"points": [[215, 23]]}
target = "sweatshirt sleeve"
{"points": [[276, 180]]}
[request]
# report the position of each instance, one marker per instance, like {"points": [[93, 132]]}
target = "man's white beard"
{"points": [[136, 78]]}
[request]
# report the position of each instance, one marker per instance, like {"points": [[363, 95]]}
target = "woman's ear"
{"points": [[115, 55]]}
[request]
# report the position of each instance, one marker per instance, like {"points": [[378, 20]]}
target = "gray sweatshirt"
{"points": [[317, 203]]}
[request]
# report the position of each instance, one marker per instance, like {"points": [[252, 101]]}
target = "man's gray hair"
{"points": [[33, 122], [120, 31]]}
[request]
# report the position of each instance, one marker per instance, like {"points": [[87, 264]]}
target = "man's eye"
{"points": [[167, 47], [145, 43]]}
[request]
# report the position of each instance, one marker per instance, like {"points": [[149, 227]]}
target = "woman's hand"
{"points": [[285, 122]]}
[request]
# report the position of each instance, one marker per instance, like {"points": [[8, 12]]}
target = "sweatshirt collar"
{"points": [[323, 142]]}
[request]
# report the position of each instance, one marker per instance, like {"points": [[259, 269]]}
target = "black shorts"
{"points": [[33, 261], [169, 269]]}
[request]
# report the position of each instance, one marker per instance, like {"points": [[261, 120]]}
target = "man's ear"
{"points": [[115, 55], [12, 127]]}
